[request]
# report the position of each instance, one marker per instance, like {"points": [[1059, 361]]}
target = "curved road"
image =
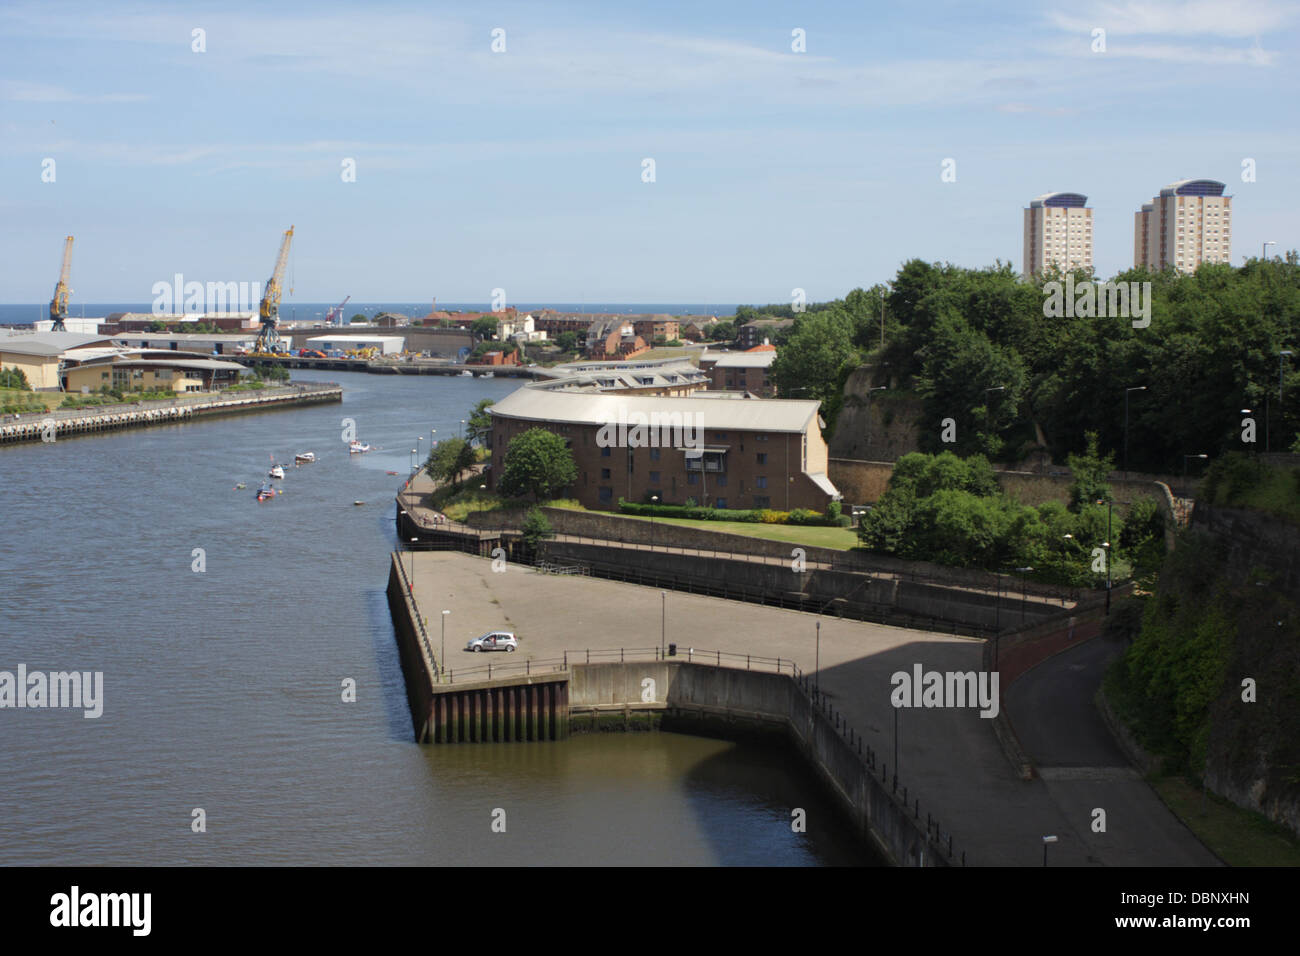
{"points": [[1084, 770]]}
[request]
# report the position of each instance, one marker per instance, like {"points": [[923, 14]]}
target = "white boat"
{"points": [[304, 457], [277, 471], [487, 375], [357, 448], [467, 373]]}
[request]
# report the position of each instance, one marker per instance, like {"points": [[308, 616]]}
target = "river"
{"points": [[222, 687]]}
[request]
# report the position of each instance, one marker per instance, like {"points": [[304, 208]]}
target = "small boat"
{"points": [[467, 374], [277, 471], [487, 375], [265, 492], [241, 486], [358, 502], [304, 457], [391, 472], [357, 448]]}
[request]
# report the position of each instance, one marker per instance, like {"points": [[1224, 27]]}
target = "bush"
{"points": [[768, 516], [536, 528]]}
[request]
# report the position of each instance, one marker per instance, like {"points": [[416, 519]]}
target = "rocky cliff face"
{"points": [[874, 426], [1253, 749]]}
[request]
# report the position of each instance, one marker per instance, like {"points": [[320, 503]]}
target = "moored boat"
{"points": [[357, 448], [265, 492], [304, 457], [277, 471]]}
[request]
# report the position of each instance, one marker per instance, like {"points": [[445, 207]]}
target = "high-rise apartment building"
{"points": [[1058, 232], [1189, 223]]}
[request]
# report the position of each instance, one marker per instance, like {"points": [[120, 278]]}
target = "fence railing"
{"points": [[808, 685], [408, 592]]}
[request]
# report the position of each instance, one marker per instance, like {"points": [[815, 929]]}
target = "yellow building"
{"points": [[152, 371], [40, 355]]}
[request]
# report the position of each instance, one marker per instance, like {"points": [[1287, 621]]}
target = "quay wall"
{"points": [[67, 422]]}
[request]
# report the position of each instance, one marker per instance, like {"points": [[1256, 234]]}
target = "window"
{"points": [[604, 474], [762, 458], [654, 477], [760, 482], [604, 452], [654, 454], [606, 495], [762, 501], [693, 478]]}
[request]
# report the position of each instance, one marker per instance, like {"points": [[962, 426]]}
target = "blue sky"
{"points": [[523, 170]]}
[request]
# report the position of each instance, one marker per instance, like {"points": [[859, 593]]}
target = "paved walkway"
{"points": [[948, 758]]}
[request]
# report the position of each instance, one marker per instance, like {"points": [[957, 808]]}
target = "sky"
{"points": [[524, 169]]}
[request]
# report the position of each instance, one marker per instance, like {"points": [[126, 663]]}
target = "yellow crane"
{"points": [[268, 339], [59, 304]]}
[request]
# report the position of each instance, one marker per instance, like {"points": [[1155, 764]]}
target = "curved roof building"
{"points": [[1058, 233], [1187, 225]]}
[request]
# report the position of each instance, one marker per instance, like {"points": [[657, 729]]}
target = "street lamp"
{"points": [[1024, 589], [1106, 553], [654, 500], [443, 662], [817, 668], [663, 623], [1046, 841], [1135, 388], [996, 388], [481, 488], [460, 432]]}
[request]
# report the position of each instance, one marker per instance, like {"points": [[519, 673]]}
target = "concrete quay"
{"points": [[948, 758], [65, 422]]}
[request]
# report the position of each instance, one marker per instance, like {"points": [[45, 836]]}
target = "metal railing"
{"points": [[408, 591], [808, 685]]}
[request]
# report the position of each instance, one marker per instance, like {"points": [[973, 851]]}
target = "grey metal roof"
{"points": [[746, 360], [599, 408], [48, 343]]}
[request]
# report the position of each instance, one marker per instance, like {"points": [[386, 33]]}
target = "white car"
{"points": [[494, 641]]}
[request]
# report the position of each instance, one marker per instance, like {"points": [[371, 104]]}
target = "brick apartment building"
{"points": [[754, 333], [726, 450], [657, 326], [741, 371], [613, 338]]}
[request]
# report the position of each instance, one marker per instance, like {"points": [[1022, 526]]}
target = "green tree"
{"points": [[1090, 471], [537, 463], [484, 327], [478, 427], [723, 331], [819, 349], [536, 528], [449, 459], [14, 378], [358, 317], [567, 341]]}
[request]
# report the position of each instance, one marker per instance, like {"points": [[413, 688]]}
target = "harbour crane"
{"points": [[335, 315], [268, 339], [59, 304]]}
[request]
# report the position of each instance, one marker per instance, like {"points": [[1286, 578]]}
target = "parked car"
{"points": [[494, 641]]}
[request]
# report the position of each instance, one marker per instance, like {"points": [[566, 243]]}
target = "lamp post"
{"points": [[1024, 590], [419, 450], [1046, 841], [443, 662], [663, 623], [411, 552], [1135, 388], [654, 500], [997, 388], [817, 668], [1106, 553], [460, 432]]}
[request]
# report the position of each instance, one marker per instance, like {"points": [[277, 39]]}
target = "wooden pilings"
{"points": [[529, 709]]}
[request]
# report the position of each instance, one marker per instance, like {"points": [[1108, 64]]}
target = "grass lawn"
{"points": [[841, 539], [1240, 837]]}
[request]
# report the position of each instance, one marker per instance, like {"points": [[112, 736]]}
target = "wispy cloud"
{"points": [[22, 92], [1211, 18]]}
